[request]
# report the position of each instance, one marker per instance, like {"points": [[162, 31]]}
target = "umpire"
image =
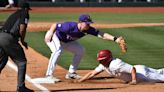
{"points": [[14, 30]]}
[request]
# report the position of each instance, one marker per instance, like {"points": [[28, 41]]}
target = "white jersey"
{"points": [[122, 70], [118, 69]]}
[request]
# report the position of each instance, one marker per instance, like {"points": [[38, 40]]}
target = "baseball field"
{"points": [[143, 29]]}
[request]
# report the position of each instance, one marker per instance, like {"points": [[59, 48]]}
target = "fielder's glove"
{"points": [[121, 41]]}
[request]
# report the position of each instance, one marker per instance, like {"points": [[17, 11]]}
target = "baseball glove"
{"points": [[121, 41]]}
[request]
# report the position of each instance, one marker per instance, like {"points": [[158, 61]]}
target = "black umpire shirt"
{"points": [[12, 24]]}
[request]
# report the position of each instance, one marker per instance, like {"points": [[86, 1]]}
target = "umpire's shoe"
{"points": [[24, 89]]}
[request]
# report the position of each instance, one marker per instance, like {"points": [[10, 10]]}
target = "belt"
{"points": [[5, 31]]}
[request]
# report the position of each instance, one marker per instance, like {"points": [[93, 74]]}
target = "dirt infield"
{"points": [[90, 9], [37, 65], [44, 26]]}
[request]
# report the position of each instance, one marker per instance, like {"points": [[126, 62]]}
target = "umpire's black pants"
{"points": [[3, 59], [13, 49]]}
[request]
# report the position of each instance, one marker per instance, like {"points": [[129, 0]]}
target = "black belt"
{"points": [[5, 31]]}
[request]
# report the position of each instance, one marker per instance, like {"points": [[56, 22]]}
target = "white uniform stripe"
{"points": [[14, 67]]}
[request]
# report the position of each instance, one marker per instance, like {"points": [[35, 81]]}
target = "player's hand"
{"points": [[121, 41], [48, 36], [25, 44], [48, 39], [133, 82]]}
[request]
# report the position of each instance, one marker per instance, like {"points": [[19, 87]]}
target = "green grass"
{"points": [[145, 46], [97, 17]]}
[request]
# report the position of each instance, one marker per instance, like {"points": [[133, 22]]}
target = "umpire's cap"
{"points": [[25, 6]]}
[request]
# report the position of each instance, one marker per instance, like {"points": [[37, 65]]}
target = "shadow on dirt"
{"points": [[81, 89], [101, 78]]}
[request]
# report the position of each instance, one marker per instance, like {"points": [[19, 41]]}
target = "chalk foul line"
{"points": [[28, 78]]}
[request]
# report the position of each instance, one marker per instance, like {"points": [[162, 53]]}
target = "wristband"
{"points": [[134, 81], [114, 39]]}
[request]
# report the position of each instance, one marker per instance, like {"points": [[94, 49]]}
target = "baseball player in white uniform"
{"points": [[124, 71]]}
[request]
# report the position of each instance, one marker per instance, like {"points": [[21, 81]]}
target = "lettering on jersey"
{"points": [[116, 73], [69, 37]]}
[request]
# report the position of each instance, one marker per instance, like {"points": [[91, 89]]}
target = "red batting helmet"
{"points": [[104, 55]]}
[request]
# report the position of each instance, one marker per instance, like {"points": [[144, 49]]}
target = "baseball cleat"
{"points": [[72, 76], [53, 78]]}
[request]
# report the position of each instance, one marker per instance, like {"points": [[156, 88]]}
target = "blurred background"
{"points": [[83, 3]]}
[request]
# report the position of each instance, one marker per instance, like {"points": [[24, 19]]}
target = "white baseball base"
{"points": [[42, 80]]}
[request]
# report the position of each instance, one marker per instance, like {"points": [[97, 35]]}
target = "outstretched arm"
{"points": [[88, 76], [120, 40], [23, 34], [50, 32]]}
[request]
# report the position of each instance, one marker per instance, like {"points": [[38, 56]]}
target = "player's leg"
{"points": [[16, 53], [3, 59], [21, 62], [56, 49], [78, 52], [141, 73], [3, 55], [161, 71], [18, 56], [154, 75]]}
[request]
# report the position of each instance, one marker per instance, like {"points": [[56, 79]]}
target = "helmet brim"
{"points": [[101, 58]]}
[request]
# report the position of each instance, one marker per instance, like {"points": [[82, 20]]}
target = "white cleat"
{"points": [[53, 78], [72, 76]]}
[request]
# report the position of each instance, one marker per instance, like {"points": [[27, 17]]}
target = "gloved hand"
{"points": [[121, 41]]}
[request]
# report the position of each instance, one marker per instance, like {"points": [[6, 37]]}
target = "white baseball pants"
{"points": [[56, 48], [150, 74]]}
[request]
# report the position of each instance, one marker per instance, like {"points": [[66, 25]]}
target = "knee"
{"points": [[57, 52], [81, 51]]}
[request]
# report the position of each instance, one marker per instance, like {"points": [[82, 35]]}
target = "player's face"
{"points": [[84, 26], [105, 62]]}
